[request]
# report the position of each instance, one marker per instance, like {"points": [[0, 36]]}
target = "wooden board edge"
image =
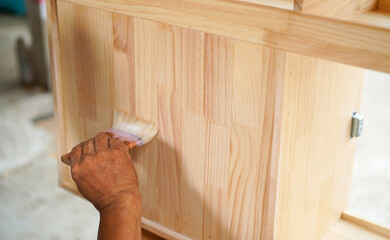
{"points": [[55, 75], [346, 11], [273, 174], [161, 230], [282, 4], [331, 39], [374, 18], [377, 228], [384, 5]]}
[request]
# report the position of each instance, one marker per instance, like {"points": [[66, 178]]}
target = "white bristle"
{"points": [[134, 125]]}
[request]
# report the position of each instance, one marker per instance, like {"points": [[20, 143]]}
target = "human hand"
{"points": [[104, 173]]}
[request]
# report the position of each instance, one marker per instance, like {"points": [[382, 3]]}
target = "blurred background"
{"points": [[32, 204]]}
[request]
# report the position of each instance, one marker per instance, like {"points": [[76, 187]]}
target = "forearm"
{"points": [[121, 220]]}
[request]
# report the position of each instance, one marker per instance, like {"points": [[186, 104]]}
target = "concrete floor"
{"points": [[32, 204], [34, 207]]}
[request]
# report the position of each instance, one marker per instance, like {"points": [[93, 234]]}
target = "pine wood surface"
{"points": [[384, 5], [317, 150], [374, 18], [150, 236], [229, 112], [365, 223], [346, 230], [283, 4], [340, 41], [212, 97], [346, 9]]}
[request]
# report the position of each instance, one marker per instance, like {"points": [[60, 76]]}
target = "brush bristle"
{"points": [[134, 125]]}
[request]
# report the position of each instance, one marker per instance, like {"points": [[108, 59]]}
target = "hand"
{"points": [[104, 173]]}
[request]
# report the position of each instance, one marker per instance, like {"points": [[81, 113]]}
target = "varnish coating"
{"points": [[230, 115], [213, 99]]}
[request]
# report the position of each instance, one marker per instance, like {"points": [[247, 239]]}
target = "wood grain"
{"points": [[374, 18], [384, 5], [253, 142], [372, 227], [340, 41], [150, 236], [346, 9], [346, 230], [284, 4], [56, 85], [316, 149], [199, 178]]}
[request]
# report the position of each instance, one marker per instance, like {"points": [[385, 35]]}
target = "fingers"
{"points": [[76, 153], [89, 146], [116, 143], [101, 141]]}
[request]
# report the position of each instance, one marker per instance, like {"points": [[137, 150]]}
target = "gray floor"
{"points": [[34, 207], [32, 204]]}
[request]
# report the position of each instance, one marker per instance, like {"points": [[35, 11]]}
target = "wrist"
{"points": [[124, 203]]}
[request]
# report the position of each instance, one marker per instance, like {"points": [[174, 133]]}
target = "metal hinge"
{"points": [[357, 124]]}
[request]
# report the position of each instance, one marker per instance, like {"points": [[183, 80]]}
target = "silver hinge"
{"points": [[357, 124]]}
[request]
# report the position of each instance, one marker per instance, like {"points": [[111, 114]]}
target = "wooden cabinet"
{"points": [[254, 139]]}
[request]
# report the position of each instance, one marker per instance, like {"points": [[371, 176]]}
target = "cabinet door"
{"points": [[205, 176], [229, 113]]}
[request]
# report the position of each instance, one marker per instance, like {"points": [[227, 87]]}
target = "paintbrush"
{"points": [[133, 130]]}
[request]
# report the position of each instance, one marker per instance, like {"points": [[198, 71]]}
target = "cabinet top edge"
{"points": [[351, 43]]}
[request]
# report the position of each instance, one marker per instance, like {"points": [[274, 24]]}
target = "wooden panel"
{"points": [[346, 230], [211, 171], [384, 5], [54, 54], [374, 18], [229, 112], [150, 236], [370, 226], [86, 101], [346, 9], [316, 148], [284, 4], [339, 41]]}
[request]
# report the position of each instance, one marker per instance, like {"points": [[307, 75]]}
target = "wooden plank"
{"points": [[374, 18], [162, 231], [215, 99], [229, 111], [330, 39], [346, 9], [56, 84], [384, 5], [284, 4], [366, 224], [317, 151], [83, 113], [146, 235], [346, 230]]}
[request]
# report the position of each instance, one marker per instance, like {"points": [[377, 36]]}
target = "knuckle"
{"points": [[113, 141], [76, 148], [101, 135]]}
